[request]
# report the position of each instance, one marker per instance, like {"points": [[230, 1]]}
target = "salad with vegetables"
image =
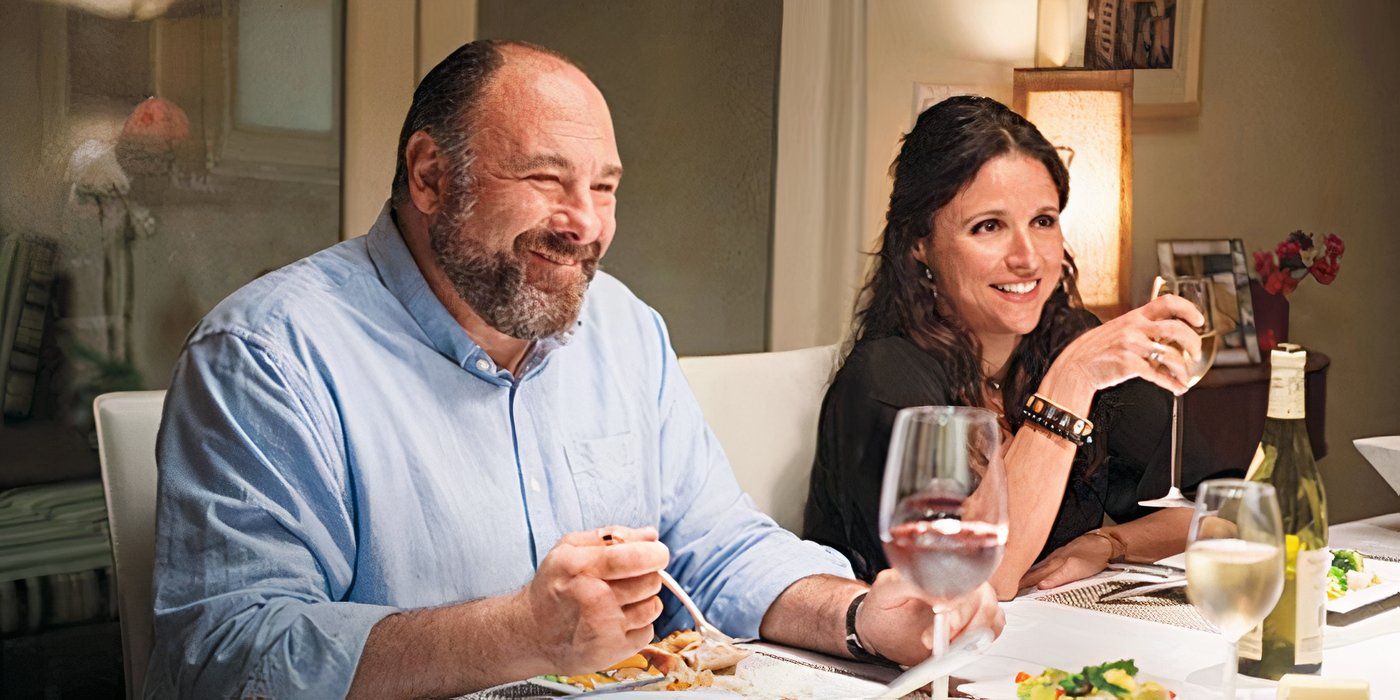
{"points": [[1115, 680], [1348, 573]]}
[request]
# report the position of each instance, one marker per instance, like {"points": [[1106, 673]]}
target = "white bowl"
{"points": [[1384, 454]]}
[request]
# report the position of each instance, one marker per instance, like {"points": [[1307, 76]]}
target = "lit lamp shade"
{"points": [[150, 136], [1087, 115]]}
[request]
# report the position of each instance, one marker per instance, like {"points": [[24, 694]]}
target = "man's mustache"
{"points": [[558, 245]]}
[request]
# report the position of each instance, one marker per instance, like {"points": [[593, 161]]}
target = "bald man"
{"points": [[396, 467]]}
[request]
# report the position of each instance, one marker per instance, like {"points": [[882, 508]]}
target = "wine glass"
{"points": [[1196, 290], [943, 506], [1234, 560]]}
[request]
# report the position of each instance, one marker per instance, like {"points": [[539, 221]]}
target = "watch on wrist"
{"points": [[853, 644]]}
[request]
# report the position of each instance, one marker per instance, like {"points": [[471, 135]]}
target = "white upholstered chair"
{"points": [[126, 441], [763, 407]]}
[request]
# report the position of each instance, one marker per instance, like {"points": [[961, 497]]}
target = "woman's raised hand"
{"points": [[1151, 342]]}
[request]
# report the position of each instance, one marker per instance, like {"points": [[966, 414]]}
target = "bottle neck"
{"points": [[1286, 393]]}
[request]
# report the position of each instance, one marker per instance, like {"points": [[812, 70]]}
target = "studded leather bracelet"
{"points": [[1057, 420]]}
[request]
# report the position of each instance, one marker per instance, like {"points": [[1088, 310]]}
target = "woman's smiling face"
{"points": [[996, 249]]}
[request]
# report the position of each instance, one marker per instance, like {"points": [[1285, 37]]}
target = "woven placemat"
{"points": [[1168, 607]]}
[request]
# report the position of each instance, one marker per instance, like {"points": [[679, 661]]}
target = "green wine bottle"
{"points": [[1290, 638]]}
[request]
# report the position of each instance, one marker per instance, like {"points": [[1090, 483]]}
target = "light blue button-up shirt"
{"points": [[336, 448]]}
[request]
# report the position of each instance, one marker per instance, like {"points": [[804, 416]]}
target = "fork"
{"points": [[702, 625]]}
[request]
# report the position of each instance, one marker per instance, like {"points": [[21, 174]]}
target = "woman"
{"points": [[972, 302]]}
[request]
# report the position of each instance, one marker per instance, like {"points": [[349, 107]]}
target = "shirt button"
{"points": [[483, 365], [534, 484]]}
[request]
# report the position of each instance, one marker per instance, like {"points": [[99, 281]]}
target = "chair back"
{"points": [[126, 442], [763, 408]]}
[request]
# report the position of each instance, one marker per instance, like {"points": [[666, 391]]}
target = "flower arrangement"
{"points": [[1297, 256]]}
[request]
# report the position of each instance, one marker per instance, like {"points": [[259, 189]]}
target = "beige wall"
{"points": [[1296, 130], [389, 46], [1299, 102], [691, 86]]}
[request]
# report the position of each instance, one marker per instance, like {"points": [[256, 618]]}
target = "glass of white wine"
{"points": [[1234, 560], [1196, 290]]}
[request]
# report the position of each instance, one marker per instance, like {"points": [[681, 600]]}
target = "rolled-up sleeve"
{"points": [[732, 558], [255, 543]]}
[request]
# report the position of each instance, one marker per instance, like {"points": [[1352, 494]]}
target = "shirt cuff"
{"points": [[321, 662]]}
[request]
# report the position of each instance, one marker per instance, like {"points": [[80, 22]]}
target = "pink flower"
{"points": [[1295, 258], [1334, 245], [1264, 264], [1324, 269], [1289, 254]]}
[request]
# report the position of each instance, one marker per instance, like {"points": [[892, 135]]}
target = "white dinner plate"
{"points": [[1389, 586], [608, 689], [1006, 689]]}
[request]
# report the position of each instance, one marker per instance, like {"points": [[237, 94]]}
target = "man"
{"points": [[390, 469]]}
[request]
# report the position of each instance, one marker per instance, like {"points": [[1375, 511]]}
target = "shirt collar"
{"points": [[400, 274]]}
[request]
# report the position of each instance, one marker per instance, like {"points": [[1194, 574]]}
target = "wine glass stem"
{"points": [[1227, 679], [939, 690], [1176, 442]]}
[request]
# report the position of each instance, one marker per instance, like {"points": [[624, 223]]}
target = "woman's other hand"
{"points": [[1082, 557], [1150, 342]]}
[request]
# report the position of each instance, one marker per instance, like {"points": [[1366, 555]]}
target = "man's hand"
{"points": [[896, 620], [590, 604]]}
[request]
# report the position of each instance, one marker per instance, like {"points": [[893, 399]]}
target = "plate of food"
{"points": [[1115, 680], [684, 660], [1354, 581]]}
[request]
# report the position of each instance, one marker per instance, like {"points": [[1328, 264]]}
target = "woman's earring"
{"points": [[928, 272]]}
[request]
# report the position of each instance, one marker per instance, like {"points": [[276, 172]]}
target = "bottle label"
{"points": [[1312, 604], [1286, 393]]}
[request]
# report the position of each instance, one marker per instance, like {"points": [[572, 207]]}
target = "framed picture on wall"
{"points": [[1160, 40], [1223, 262]]}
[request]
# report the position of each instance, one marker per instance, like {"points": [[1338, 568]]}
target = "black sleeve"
{"points": [[877, 380], [1138, 464]]}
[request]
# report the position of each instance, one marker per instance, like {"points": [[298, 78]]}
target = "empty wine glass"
{"points": [[1234, 560], [1196, 290], [943, 505]]}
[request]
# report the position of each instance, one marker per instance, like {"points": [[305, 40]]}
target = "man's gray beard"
{"points": [[494, 285]]}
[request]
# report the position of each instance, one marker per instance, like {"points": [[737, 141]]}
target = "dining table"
{"points": [[1067, 628]]}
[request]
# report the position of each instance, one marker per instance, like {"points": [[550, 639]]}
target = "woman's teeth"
{"points": [[1018, 288]]}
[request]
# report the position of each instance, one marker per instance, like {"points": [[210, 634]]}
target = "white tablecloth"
{"points": [[1040, 634]]}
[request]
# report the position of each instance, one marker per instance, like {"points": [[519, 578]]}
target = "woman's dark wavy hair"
{"points": [[951, 141]]}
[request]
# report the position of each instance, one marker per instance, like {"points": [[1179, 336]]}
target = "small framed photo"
{"points": [[1223, 262]]}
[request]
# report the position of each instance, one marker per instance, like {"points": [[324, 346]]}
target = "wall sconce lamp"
{"points": [[1088, 116]]}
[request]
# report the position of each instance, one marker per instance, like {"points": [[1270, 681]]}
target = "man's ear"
{"points": [[427, 172]]}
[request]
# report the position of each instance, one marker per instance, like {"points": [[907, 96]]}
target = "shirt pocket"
{"points": [[611, 488]]}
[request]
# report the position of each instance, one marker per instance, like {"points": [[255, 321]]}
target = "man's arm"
{"points": [[588, 606], [751, 577], [894, 620], [255, 559], [256, 541]]}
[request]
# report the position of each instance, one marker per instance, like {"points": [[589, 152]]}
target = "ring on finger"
{"points": [[1155, 357]]}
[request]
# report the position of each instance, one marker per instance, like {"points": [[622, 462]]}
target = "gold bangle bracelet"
{"points": [[1117, 550]]}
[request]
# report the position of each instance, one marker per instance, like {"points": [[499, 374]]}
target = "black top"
{"points": [[884, 375]]}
